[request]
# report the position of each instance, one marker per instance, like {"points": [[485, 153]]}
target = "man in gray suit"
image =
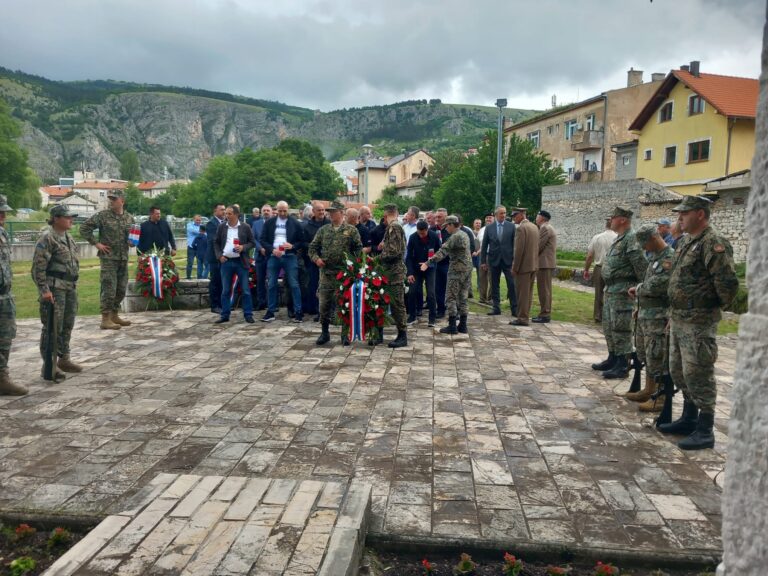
{"points": [[497, 254]]}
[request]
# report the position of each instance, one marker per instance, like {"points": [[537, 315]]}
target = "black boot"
{"points": [[606, 364], [400, 341], [325, 335], [703, 437], [686, 424], [462, 328], [619, 370], [637, 366], [451, 328]]}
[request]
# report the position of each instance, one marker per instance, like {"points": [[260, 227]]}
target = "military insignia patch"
{"points": [[667, 264], [719, 248]]}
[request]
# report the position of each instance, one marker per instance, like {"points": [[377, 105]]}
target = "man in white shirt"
{"points": [[409, 221], [596, 251], [232, 246]]}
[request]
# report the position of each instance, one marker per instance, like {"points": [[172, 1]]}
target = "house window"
{"points": [[648, 154], [570, 128], [665, 113], [626, 159], [392, 178], [695, 105], [550, 129], [698, 151], [534, 137], [670, 155], [590, 122]]}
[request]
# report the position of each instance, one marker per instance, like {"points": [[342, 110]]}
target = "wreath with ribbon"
{"points": [[363, 295], [156, 277]]}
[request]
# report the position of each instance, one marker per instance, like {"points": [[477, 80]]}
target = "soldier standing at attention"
{"points": [[393, 259], [55, 270], [624, 266], [703, 281], [113, 225], [327, 251], [459, 275], [652, 316], [7, 308]]}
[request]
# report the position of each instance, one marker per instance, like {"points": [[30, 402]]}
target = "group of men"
{"points": [[673, 298]]}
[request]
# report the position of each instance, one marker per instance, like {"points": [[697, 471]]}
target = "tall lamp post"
{"points": [[366, 155], [501, 103]]}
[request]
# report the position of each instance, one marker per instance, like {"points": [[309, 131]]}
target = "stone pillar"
{"points": [[745, 498]]}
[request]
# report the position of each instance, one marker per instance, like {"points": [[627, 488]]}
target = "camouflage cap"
{"points": [[390, 208], [621, 211], [116, 193], [61, 210], [693, 203], [336, 205], [4, 204], [645, 233], [452, 220]]}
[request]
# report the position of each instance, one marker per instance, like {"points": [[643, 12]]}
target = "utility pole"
{"points": [[366, 156], [500, 103]]}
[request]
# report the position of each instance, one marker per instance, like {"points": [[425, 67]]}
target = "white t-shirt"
{"points": [[281, 236], [600, 244], [229, 247]]}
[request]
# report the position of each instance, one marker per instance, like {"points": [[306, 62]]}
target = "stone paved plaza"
{"points": [[505, 435]]}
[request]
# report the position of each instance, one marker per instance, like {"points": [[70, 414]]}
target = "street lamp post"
{"points": [[366, 156], [501, 103]]}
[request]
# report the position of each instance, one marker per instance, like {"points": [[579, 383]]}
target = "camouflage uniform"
{"points": [[393, 259], [459, 272], [652, 316], [703, 281], [55, 268], [7, 305], [624, 266], [113, 231], [331, 244]]}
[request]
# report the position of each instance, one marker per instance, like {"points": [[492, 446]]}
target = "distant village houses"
{"points": [[405, 172]]}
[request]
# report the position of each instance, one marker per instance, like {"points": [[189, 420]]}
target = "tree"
{"points": [[17, 181], [389, 196], [325, 182], [129, 166], [445, 162], [135, 202], [526, 171]]}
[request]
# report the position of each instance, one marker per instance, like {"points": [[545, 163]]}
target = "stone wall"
{"points": [[729, 218], [191, 295]]}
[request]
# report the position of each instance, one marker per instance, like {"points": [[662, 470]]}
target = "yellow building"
{"points": [[391, 172], [695, 128]]}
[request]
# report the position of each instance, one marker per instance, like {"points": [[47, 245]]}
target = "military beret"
{"points": [[545, 214], [693, 203], [336, 205], [61, 210], [645, 233], [422, 225], [4, 204], [452, 220], [622, 212]]}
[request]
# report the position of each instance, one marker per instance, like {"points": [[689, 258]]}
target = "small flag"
{"points": [[133, 235]]}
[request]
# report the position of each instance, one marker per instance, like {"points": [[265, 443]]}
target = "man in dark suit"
{"points": [[282, 238], [497, 255], [157, 234], [214, 266], [422, 245], [232, 245], [261, 256]]}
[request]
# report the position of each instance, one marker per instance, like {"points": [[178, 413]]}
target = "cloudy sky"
{"points": [[330, 54]]}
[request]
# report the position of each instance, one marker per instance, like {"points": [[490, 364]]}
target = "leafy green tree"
{"points": [[135, 202], [389, 196], [526, 171], [17, 181], [129, 166], [325, 182], [198, 197]]}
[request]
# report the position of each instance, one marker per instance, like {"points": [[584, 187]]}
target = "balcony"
{"points": [[587, 140]]}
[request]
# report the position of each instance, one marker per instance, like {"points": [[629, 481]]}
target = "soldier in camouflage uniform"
{"points": [[393, 259], [459, 275], [327, 250], [7, 307], [624, 266], [55, 270], [113, 225], [703, 281], [652, 316]]}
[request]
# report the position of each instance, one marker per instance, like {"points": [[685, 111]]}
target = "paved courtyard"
{"points": [[503, 435]]}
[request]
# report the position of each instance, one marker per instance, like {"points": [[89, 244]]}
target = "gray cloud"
{"points": [[337, 53]]}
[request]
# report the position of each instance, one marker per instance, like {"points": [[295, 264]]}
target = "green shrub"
{"points": [[22, 565]]}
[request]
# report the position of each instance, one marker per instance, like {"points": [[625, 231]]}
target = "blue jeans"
{"points": [[202, 268], [191, 254], [228, 270], [290, 266]]}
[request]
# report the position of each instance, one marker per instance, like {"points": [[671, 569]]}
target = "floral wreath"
{"points": [[156, 277]]}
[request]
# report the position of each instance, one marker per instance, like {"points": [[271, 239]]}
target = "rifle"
{"points": [[635, 364], [51, 352], [666, 387]]}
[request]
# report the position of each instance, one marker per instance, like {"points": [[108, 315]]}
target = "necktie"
{"points": [[498, 230]]}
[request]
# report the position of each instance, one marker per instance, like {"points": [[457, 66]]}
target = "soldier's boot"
{"points": [[325, 335], [645, 394], [653, 404], [703, 437], [66, 364], [451, 328], [106, 322], [620, 368], [58, 375], [400, 341], [462, 328], [606, 364], [686, 424], [117, 320], [9, 388]]}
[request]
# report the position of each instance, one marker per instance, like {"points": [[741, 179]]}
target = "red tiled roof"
{"points": [[147, 185], [56, 190], [731, 96], [101, 186]]}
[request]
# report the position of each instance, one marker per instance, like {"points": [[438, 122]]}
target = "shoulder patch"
{"points": [[718, 248], [667, 264]]}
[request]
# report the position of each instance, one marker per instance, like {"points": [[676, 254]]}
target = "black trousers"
{"points": [[496, 272], [415, 293], [214, 285]]}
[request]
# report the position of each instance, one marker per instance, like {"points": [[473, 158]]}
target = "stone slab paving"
{"points": [[212, 525], [505, 435]]}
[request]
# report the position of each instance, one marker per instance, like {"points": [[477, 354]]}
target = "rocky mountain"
{"points": [[71, 125]]}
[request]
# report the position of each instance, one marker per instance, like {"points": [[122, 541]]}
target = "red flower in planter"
{"points": [[377, 281], [340, 275], [387, 298]]}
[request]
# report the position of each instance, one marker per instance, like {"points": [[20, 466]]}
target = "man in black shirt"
{"points": [[156, 232]]}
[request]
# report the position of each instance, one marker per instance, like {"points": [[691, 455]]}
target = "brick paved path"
{"points": [[503, 435]]}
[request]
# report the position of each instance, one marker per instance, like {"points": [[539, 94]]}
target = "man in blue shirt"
{"points": [[193, 231], [664, 226]]}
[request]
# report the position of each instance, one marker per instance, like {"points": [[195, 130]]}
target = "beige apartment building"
{"points": [[383, 172], [579, 137]]}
